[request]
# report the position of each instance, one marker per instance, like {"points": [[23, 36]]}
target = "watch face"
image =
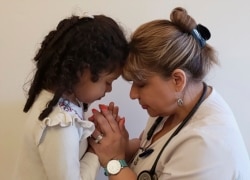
{"points": [[113, 167]]}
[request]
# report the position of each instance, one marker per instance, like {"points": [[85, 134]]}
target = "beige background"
{"points": [[24, 23]]}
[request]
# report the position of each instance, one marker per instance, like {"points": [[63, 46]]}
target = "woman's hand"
{"points": [[115, 112], [112, 108], [115, 136]]}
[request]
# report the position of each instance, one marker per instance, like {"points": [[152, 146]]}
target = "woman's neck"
{"points": [[191, 97]]}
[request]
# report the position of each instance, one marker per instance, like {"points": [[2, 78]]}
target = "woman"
{"points": [[191, 133]]}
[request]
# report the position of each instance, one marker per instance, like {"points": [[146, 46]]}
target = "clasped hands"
{"points": [[110, 138]]}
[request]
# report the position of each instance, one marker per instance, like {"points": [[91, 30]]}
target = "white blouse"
{"points": [[209, 147], [54, 149]]}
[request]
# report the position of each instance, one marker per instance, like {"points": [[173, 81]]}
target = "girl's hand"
{"points": [[113, 109]]}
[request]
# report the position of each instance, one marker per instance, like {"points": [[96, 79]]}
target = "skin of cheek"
{"points": [[91, 93], [87, 91], [164, 103], [160, 99]]}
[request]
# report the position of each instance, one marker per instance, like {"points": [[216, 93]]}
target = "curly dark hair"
{"points": [[97, 44]]}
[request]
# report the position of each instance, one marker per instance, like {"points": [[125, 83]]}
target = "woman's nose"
{"points": [[133, 92]]}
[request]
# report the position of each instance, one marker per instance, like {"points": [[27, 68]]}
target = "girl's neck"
{"points": [[71, 98]]}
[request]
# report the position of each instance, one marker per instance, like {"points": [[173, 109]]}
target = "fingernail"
{"points": [[94, 110], [103, 107], [123, 120]]}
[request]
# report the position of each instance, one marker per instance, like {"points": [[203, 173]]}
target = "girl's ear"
{"points": [[179, 79]]}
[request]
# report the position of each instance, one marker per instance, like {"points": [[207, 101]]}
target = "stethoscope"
{"points": [[150, 174]]}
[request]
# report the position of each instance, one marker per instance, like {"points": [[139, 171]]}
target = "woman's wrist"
{"points": [[115, 166], [105, 162]]}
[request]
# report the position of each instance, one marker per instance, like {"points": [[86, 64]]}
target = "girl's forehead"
{"points": [[112, 75]]}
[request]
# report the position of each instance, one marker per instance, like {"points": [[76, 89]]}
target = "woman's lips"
{"points": [[144, 106]]}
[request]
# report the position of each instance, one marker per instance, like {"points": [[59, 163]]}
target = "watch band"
{"points": [[122, 165]]}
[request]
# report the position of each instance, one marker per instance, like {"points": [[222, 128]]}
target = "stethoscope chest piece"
{"points": [[146, 175]]}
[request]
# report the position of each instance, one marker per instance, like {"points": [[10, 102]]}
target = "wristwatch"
{"points": [[114, 167]]}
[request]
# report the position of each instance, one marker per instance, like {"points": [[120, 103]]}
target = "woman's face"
{"points": [[87, 91], [156, 95]]}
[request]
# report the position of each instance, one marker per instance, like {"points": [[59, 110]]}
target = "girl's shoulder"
{"points": [[64, 115]]}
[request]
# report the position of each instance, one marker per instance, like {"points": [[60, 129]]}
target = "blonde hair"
{"points": [[161, 46]]}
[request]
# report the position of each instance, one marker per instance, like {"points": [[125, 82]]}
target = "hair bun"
{"points": [[204, 32]]}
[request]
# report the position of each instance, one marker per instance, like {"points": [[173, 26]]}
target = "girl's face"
{"points": [[156, 95], [87, 91]]}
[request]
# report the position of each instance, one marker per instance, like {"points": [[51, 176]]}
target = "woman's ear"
{"points": [[179, 79]]}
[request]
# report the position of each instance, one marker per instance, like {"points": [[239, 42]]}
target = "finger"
{"points": [[98, 138], [112, 122], [91, 118], [118, 118], [103, 106], [123, 129], [122, 126], [115, 112], [122, 123], [111, 106], [114, 109], [96, 133], [103, 121]]}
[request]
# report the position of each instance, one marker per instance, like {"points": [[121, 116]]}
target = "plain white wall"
{"points": [[25, 23]]}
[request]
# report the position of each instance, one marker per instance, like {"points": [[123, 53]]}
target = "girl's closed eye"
{"points": [[109, 83]]}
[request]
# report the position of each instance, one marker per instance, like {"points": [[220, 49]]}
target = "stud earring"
{"points": [[180, 102]]}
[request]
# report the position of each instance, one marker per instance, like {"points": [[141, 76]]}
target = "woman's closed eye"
{"points": [[139, 84]]}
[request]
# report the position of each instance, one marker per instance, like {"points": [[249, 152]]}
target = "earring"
{"points": [[180, 102]]}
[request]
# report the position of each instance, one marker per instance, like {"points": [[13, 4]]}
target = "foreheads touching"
{"points": [[78, 43]]}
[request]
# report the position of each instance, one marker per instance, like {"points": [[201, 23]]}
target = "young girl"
{"points": [[75, 66]]}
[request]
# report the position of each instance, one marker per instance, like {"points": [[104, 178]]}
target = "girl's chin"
{"points": [[90, 101], [98, 99]]}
